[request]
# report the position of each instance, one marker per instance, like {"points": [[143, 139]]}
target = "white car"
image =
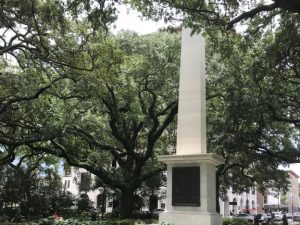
{"points": [[245, 216], [290, 217], [269, 216], [278, 216], [262, 217], [296, 216]]}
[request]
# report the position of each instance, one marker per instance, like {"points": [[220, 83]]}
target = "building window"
{"points": [[85, 182], [101, 202], [265, 199], [247, 206], [65, 185], [253, 190], [67, 170], [253, 204]]}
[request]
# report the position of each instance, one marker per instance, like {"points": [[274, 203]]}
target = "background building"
{"points": [[76, 181], [252, 201], [235, 203], [287, 202], [269, 202], [293, 192]]}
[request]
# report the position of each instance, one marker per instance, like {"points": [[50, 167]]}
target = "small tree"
{"points": [[283, 198]]}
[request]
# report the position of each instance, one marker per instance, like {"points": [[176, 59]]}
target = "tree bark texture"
{"points": [[126, 203]]}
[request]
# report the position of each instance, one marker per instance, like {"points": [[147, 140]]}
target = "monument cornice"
{"points": [[193, 158]]}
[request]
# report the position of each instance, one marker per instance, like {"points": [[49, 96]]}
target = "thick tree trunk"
{"points": [[26, 205], [126, 203]]}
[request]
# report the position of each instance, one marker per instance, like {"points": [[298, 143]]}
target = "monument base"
{"points": [[190, 218], [202, 213]]}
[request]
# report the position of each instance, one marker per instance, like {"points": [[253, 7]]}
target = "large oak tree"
{"points": [[120, 112], [93, 101], [253, 113]]}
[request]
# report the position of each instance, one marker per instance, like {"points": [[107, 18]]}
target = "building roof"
{"points": [[292, 173]]}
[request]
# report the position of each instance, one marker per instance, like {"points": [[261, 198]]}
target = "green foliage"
{"points": [[50, 221], [220, 14], [85, 182], [56, 31], [31, 188], [152, 187], [23, 223], [283, 198], [235, 221], [121, 112], [93, 98], [249, 139], [84, 203]]}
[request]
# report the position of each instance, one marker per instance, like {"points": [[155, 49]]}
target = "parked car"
{"points": [[147, 214], [269, 216], [289, 215], [296, 216], [245, 216], [277, 216], [262, 218], [156, 212]]}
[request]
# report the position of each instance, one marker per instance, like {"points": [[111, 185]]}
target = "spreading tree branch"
{"points": [[60, 151], [40, 91], [252, 13]]}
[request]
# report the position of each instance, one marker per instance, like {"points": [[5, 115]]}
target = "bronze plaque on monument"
{"points": [[186, 186]]}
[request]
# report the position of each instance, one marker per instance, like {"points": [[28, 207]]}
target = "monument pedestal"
{"points": [[191, 198], [189, 218]]}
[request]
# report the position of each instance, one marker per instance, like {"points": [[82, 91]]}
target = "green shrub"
{"points": [[11, 223], [51, 221], [146, 221], [47, 221], [120, 222], [126, 223], [235, 221], [111, 223]]}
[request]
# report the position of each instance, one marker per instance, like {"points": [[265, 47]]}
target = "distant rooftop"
{"points": [[293, 173]]}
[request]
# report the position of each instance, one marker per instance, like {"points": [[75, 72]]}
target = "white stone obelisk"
{"points": [[191, 144], [191, 129]]}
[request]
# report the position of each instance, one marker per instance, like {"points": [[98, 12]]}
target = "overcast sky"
{"points": [[130, 20]]}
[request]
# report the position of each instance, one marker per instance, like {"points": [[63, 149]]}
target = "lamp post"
{"points": [[292, 204], [292, 201], [278, 196]]}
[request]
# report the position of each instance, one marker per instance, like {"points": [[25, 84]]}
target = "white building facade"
{"points": [[252, 201], [286, 202], [72, 180], [293, 192], [234, 203]]}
